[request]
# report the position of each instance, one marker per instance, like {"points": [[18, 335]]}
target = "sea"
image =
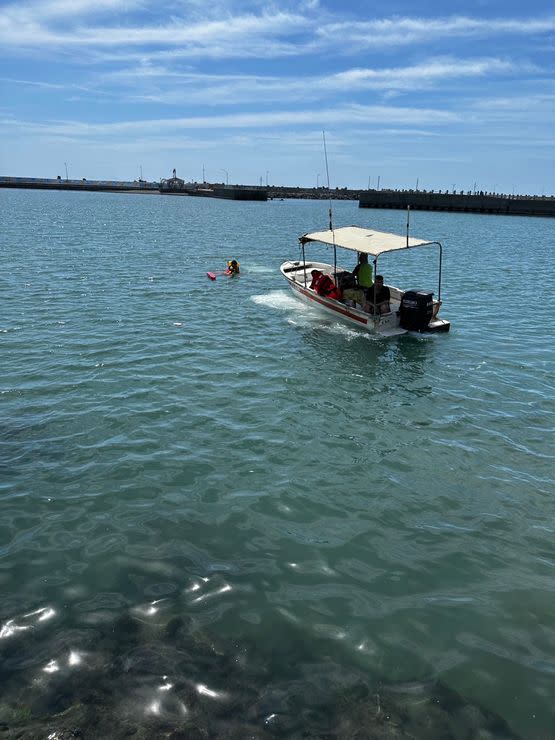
{"points": [[225, 514]]}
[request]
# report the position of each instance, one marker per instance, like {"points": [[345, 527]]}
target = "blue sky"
{"points": [[449, 94]]}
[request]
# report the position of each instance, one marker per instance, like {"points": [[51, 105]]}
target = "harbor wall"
{"points": [[229, 192], [400, 199], [459, 202], [44, 183]]}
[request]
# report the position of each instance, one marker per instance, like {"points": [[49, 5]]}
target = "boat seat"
{"points": [[298, 267]]}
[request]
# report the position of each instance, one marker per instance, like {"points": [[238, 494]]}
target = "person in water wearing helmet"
{"points": [[233, 267]]}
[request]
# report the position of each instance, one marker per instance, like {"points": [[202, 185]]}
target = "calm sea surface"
{"points": [[223, 514]]}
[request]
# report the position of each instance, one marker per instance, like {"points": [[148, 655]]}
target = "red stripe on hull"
{"points": [[328, 304]]}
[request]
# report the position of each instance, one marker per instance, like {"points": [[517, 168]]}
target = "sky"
{"points": [[427, 94]]}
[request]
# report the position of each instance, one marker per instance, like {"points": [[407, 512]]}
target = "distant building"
{"points": [[173, 183]]}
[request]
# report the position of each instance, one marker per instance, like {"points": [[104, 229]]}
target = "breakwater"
{"points": [[517, 205], [459, 202], [494, 203], [279, 192], [165, 187], [228, 192], [45, 183]]}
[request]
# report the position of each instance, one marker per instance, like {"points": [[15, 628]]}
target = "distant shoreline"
{"points": [[454, 201]]}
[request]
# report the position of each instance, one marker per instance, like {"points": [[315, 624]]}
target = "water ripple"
{"points": [[219, 504]]}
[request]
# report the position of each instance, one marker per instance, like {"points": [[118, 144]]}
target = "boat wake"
{"points": [[261, 269], [305, 316], [283, 300]]}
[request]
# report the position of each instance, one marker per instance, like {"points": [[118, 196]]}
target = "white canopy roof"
{"points": [[368, 241]]}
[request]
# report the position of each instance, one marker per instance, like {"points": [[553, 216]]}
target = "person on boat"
{"points": [[379, 297], [363, 273], [317, 275], [232, 267], [323, 285], [345, 280]]}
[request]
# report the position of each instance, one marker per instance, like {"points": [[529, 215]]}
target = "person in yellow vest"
{"points": [[363, 273], [232, 267]]}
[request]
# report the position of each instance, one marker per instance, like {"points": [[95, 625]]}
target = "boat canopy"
{"points": [[367, 241]]}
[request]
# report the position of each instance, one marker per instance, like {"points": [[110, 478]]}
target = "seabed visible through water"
{"points": [[153, 675]]}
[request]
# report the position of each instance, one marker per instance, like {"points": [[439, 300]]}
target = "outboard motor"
{"points": [[416, 309]]}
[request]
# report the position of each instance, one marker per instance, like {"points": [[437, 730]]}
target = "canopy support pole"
{"points": [[439, 277], [376, 320]]}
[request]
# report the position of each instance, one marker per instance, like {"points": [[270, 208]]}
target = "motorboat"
{"points": [[413, 310]]}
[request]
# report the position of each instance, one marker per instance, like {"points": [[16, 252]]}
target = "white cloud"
{"points": [[162, 85], [19, 27], [518, 103], [46, 85], [48, 9], [403, 31], [352, 114], [263, 34]]}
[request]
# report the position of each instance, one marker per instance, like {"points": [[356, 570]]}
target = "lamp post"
{"points": [[226, 176], [67, 178]]}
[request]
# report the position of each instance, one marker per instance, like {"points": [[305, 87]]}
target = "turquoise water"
{"points": [[222, 511]]}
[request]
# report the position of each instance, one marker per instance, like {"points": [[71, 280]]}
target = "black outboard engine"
{"points": [[416, 309]]}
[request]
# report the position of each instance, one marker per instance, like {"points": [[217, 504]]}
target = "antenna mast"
{"points": [[331, 220], [327, 176]]}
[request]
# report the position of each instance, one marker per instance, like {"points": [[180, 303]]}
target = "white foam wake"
{"points": [[280, 299]]}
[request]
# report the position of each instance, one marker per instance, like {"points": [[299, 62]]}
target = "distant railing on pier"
{"points": [[469, 202]]}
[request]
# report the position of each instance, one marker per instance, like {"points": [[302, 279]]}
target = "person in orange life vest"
{"points": [[317, 275], [324, 285]]}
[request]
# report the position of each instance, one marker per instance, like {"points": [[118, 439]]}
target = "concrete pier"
{"points": [[110, 186], [174, 186], [517, 205], [229, 192]]}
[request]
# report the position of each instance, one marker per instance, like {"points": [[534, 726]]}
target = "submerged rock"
{"points": [[169, 680]]}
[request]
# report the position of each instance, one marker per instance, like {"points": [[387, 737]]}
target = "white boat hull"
{"points": [[299, 279], [298, 275]]}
